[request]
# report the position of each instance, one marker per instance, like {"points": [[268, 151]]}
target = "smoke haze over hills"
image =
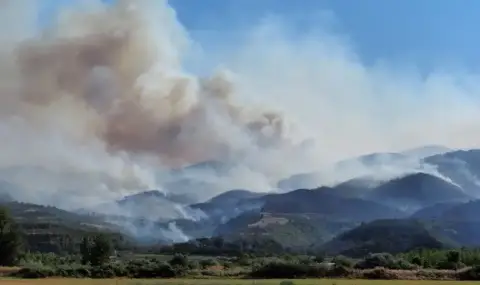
{"points": [[98, 105]]}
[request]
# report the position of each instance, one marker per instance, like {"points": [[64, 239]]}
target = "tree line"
{"points": [[95, 250], [98, 256]]}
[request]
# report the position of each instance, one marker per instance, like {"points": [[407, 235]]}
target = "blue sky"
{"points": [[427, 33]]}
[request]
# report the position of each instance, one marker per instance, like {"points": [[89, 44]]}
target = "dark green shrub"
{"points": [[72, 271], [78, 271], [227, 265], [35, 272], [117, 269], [472, 273], [179, 260], [68, 271], [166, 271], [385, 260], [417, 260], [343, 261], [10, 239], [447, 265], [179, 271], [101, 272], [453, 256], [83, 272], [138, 269], [280, 270], [319, 258], [205, 263], [305, 260], [338, 271], [244, 260], [193, 264]]}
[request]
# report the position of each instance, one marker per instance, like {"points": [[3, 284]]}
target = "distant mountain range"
{"points": [[416, 191], [462, 167], [327, 211], [433, 201], [376, 165], [362, 199]]}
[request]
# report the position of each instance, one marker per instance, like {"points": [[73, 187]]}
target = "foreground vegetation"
{"points": [[97, 256], [374, 266]]}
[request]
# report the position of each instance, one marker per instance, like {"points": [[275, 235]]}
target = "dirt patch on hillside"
{"points": [[269, 220]]}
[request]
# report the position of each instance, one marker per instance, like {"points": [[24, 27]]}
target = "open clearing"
{"points": [[222, 282]]}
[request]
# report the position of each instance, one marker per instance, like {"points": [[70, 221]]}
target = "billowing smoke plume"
{"points": [[107, 79], [97, 105], [99, 101]]}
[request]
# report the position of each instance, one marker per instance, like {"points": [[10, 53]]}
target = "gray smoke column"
{"points": [[97, 105], [112, 80], [98, 101]]}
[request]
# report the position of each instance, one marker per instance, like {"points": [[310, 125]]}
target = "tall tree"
{"points": [[101, 250], [10, 239], [85, 250]]}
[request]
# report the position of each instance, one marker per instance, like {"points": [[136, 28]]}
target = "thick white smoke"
{"points": [[98, 106]]}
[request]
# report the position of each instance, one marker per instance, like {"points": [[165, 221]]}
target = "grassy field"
{"points": [[223, 282]]}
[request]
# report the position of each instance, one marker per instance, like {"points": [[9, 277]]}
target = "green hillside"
{"points": [[393, 236]]}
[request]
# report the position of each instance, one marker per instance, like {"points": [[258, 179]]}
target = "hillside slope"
{"points": [[416, 191], [461, 166], [320, 202], [49, 229], [290, 230], [434, 212], [230, 204], [393, 236]]}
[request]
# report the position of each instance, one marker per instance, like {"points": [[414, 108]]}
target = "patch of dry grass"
{"points": [[4, 271]]}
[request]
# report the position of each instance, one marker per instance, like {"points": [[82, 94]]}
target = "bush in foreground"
{"points": [[279, 270], [133, 270], [380, 274], [471, 274], [384, 260]]}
